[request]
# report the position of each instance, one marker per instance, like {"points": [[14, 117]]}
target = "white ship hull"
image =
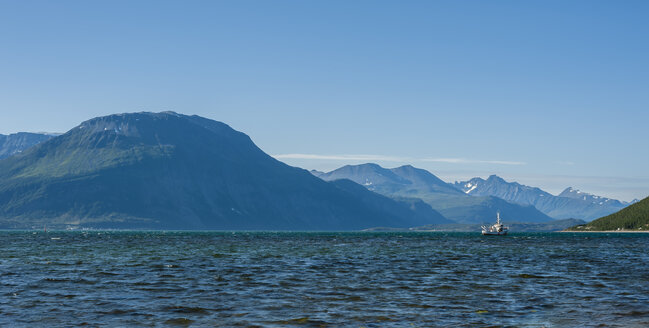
{"points": [[489, 233]]}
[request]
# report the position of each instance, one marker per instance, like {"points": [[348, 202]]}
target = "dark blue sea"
{"points": [[267, 279]]}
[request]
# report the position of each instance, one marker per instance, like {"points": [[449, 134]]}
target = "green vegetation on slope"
{"points": [[171, 171], [634, 217]]}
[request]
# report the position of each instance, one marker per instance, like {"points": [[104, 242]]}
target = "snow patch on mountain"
{"points": [[571, 192], [471, 188], [571, 203]]}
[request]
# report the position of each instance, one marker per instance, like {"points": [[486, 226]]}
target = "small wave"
{"points": [[179, 322], [105, 273], [70, 280], [219, 255], [633, 313], [301, 321], [529, 276], [117, 312], [186, 309]]}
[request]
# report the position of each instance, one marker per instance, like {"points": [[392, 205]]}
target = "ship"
{"points": [[497, 229]]}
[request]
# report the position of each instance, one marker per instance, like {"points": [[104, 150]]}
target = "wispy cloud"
{"points": [[343, 157], [469, 161], [393, 159]]}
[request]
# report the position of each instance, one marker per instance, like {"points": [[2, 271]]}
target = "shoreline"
{"points": [[608, 231]]}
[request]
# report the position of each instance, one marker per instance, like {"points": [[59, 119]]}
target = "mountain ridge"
{"points": [[569, 204], [16, 143], [173, 171], [571, 192], [407, 181]]}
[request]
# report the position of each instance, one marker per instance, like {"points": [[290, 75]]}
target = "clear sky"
{"points": [[547, 93]]}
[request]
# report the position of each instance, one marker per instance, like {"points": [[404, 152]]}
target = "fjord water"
{"points": [[113, 278]]}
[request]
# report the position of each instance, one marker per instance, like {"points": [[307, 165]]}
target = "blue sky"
{"points": [[548, 93]]}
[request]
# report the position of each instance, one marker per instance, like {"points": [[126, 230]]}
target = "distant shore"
{"points": [[608, 231]]}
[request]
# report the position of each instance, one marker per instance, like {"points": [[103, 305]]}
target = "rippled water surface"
{"points": [[323, 279]]}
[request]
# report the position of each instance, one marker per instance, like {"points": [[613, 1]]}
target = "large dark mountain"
{"points": [[570, 203], [632, 218], [171, 171], [18, 142], [407, 181]]}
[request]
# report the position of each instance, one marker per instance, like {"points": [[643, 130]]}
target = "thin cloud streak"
{"points": [[342, 157], [392, 159], [469, 161]]}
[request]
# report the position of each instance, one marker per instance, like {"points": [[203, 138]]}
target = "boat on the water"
{"points": [[497, 229]]}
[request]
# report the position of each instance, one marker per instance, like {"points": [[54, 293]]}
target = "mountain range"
{"points": [[408, 181], [17, 142], [172, 171], [570, 192], [571, 203]]}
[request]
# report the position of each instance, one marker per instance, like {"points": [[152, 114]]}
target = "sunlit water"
{"points": [[323, 279]]}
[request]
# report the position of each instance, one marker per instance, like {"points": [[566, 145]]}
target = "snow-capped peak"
{"points": [[571, 192]]}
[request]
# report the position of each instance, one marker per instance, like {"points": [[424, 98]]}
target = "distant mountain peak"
{"points": [[570, 203], [493, 181], [364, 166], [494, 177], [169, 112], [575, 193], [316, 173], [570, 190], [16, 143], [407, 166], [368, 174], [370, 165]]}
